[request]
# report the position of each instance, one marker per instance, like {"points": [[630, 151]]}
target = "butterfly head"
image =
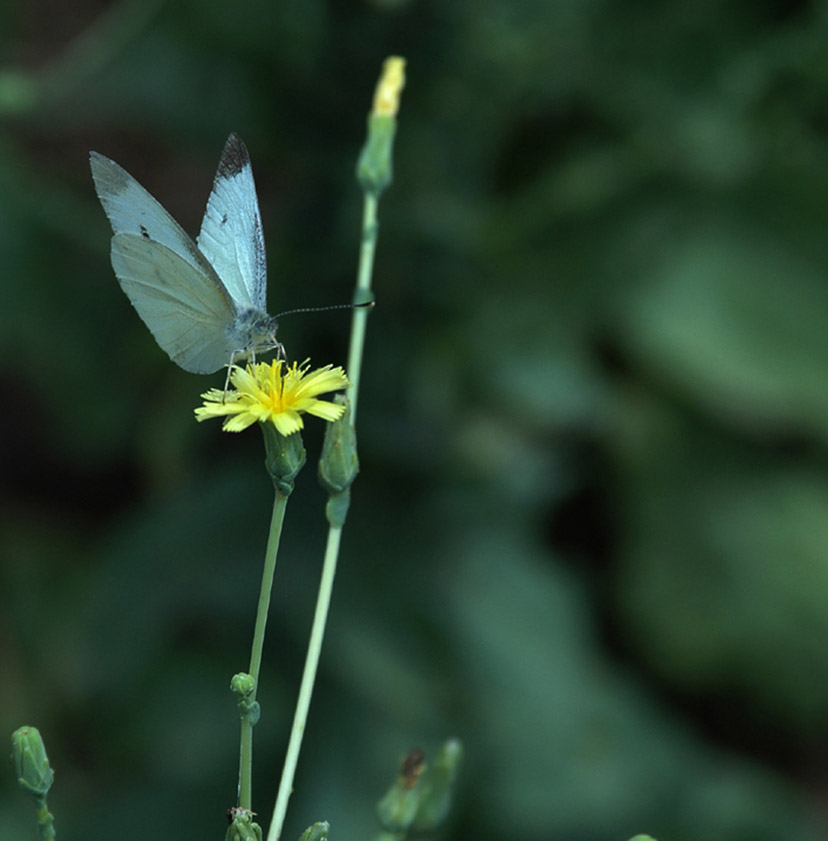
{"points": [[253, 332]]}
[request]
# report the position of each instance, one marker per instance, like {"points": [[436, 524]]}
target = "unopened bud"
{"points": [[242, 826], [338, 464], [375, 168], [316, 832], [437, 786], [31, 765]]}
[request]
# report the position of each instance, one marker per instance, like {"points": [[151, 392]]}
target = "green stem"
{"points": [[355, 352], [45, 821], [300, 717], [359, 319], [247, 722]]}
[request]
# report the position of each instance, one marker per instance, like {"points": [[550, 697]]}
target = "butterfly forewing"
{"points": [[186, 310], [231, 236], [132, 210]]}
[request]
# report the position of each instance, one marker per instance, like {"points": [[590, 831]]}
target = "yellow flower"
{"points": [[263, 392]]}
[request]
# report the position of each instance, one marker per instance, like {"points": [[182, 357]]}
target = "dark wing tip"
{"points": [[234, 158], [96, 159], [109, 177]]}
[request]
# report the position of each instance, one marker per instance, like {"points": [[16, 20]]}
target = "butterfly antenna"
{"points": [[324, 309]]}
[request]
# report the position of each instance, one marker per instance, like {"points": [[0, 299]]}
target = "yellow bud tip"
{"points": [[389, 87]]}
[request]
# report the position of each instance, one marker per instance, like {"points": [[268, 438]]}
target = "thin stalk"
{"points": [[379, 166], [300, 717], [45, 821], [359, 318], [247, 722], [355, 351]]}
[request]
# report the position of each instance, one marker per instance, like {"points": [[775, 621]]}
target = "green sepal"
{"points": [[316, 832], [31, 765], [242, 826], [250, 711], [284, 457], [374, 167]]}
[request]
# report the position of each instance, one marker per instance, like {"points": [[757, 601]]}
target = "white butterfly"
{"points": [[204, 301]]}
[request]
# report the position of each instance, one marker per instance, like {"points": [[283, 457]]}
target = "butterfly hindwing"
{"points": [[185, 306], [231, 235]]}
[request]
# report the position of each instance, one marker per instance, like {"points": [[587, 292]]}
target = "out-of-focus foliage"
{"points": [[589, 533]]}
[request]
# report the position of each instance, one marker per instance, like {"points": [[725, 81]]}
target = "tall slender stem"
{"points": [[276, 520], [247, 722], [364, 274], [300, 717], [374, 174], [359, 319]]}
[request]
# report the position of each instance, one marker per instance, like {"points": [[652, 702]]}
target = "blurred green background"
{"points": [[590, 535]]}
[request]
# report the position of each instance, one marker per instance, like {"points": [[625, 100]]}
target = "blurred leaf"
{"points": [[723, 577], [560, 736], [742, 324]]}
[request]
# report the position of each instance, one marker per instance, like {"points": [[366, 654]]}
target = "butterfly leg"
{"points": [[227, 378]]}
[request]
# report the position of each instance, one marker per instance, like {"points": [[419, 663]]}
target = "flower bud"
{"points": [[338, 464], [243, 687], [398, 808], [437, 786], [316, 832], [242, 826], [31, 765], [242, 684], [374, 168]]}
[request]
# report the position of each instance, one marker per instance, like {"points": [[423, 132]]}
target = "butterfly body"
{"points": [[204, 301]]}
